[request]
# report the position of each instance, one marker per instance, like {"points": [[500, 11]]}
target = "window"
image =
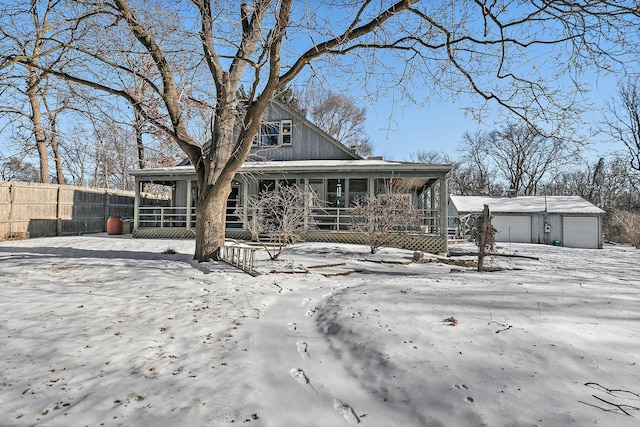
{"points": [[335, 192], [266, 185], [270, 184], [358, 190], [285, 126], [273, 134]]}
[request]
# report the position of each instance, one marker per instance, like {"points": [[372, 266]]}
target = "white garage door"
{"points": [[515, 229], [580, 232]]}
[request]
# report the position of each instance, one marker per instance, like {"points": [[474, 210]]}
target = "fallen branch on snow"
{"points": [[381, 261], [345, 273], [340, 264]]}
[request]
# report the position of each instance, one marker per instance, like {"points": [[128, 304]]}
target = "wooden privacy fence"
{"points": [[34, 210]]}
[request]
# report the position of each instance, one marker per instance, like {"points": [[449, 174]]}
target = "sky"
{"points": [[398, 132], [116, 331]]}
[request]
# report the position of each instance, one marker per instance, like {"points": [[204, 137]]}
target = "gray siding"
{"points": [[308, 142]]}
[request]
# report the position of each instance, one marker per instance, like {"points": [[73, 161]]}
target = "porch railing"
{"points": [[327, 219], [176, 217], [340, 219]]}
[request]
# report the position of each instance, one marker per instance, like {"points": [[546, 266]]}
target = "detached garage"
{"points": [[569, 221]]}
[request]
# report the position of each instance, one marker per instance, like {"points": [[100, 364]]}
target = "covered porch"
{"points": [[338, 183]]}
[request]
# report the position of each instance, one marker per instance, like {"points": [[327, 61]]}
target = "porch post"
{"points": [[444, 201], [244, 200], [136, 206], [188, 204], [307, 208]]}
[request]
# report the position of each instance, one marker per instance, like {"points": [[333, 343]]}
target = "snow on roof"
{"points": [[525, 204], [341, 164], [276, 164], [308, 165]]}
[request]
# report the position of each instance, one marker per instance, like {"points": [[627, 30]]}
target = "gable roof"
{"points": [[261, 153], [313, 126], [525, 204]]}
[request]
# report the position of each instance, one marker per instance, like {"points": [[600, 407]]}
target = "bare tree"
{"points": [[609, 183], [340, 116], [335, 113], [53, 114], [25, 30], [473, 174], [430, 157], [522, 155], [281, 215], [628, 223], [526, 157], [14, 169], [624, 125], [381, 218], [489, 49]]}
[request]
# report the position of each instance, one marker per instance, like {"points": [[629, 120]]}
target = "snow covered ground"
{"points": [[110, 330]]}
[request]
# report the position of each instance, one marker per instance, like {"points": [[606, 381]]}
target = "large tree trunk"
{"points": [[211, 210], [215, 176]]}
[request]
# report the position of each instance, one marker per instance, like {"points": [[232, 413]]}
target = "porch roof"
{"points": [[307, 167], [525, 204]]}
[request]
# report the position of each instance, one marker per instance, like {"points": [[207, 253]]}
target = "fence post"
{"points": [[483, 237], [105, 215], [59, 211], [188, 212]]}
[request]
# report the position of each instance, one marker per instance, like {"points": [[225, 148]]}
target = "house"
{"points": [[569, 221], [289, 148]]}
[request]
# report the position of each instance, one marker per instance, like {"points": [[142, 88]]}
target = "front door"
{"points": [[233, 202]]}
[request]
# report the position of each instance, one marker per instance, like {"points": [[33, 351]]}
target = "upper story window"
{"points": [[273, 134]]}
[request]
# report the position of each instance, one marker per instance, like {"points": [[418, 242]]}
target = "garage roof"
{"points": [[525, 204]]}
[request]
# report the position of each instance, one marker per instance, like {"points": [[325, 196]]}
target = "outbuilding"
{"points": [[568, 221]]}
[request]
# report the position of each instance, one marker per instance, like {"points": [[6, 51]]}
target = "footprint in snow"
{"points": [[468, 399], [346, 411], [311, 311], [415, 347], [306, 301], [302, 349], [382, 326], [299, 376], [292, 326]]}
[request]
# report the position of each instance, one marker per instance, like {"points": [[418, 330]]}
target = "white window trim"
{"points": [[281, 126]]}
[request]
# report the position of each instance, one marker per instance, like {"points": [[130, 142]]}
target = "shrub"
{"points": [[627, 224], [280, 215], [380, 218]]}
